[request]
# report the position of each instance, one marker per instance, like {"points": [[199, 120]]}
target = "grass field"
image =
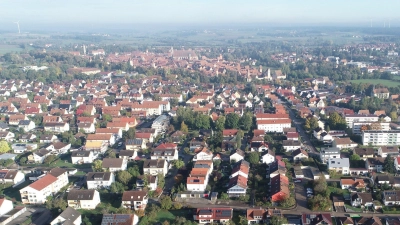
{"points": [[9, 48], [388, 83]]}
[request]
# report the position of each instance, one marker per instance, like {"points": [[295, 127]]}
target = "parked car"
{"points": [[297, 181], [309, 195]]}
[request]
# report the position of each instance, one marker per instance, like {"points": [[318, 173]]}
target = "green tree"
{"points": [[277, 220], [355, 157], [393, 116], [202, 121], [288, 202], [134, 171], [178, 163], [97, 166], [107, 117], [336, 121], [239, 138], [184, 127], [117, 187], [124, 177], [224, 196], [220, 123], [254, 158], [4, 147], [232, 121], [49, 159], [246, 121], [129, 134], [389, 164], [166, 202]]}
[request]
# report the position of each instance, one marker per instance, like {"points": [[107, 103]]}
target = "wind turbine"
{"points": [[19, 31]]}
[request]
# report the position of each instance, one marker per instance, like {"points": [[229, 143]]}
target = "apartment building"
{"points": [[350, 119], [381, 137], [274, 125], [339, 165], [135, 200], [161, 123], [38, 191], [211, 215], [358, 125], [155, 166]]}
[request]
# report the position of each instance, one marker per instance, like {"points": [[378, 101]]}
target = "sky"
{"points": [[80, 13]]}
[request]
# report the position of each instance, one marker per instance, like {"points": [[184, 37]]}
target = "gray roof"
{"points": [[70, 215], [80, 154], [126, 153], [3, 125], [81, 194], [112, 163], [154, 163], [24, 122], [7, 156], [135, 141]]}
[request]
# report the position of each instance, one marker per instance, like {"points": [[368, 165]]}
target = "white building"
{"points": [[135, 200], [350, 119], [161, 124], [113, 164], [357, 126], [5, 206], [68, 216], [96, 180], [79, 157], [83, 199], [155, 167], [268, 157], [56, 127], [274, 125], [340, 165], [14, 177], [38, 191], [329, 153], [381, 138]]}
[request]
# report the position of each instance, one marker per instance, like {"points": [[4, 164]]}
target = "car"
{"points": [[309, 195], [120, 144], [310, 192], [309, 189], [297, 181]]}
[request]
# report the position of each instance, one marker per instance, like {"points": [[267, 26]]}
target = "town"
{"points": [[92, 134]]}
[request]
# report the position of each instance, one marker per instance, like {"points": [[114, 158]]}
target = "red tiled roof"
{"points": [[43, 182]]}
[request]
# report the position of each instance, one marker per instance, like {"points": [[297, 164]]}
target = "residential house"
{"points": [[350, 183], [316, 219], [135, 144], [274, 125], [361, 199], [258, 146], [384, 151], [14, 177], [241, 168], [364, 153], [58, 148], [155, 167], [329, 153], [299, 154], [128, 155], [292, 136], [7, 136], [211, 215], [83, 199], [15, 119], [196, 143], [39, 155], [268, 157], [391, 197], [167, 151], [375, 164], [276, 168], [343, 143], [237, 186], [97, 180], [68, 217], [340, 165], [290, 145], [59, 127], [114, 164], [203, 154], [135, 200], [87, 128], [80, 157], [236, 155], [48, 138], [151, 181], [38, 191], [107, 138], [26, 125], [382, 93], [27, 138]]}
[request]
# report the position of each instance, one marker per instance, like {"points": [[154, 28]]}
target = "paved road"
{"points": [[299, 126]]}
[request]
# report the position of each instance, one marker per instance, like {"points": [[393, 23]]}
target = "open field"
{"points": [[4, 48], [388, 83]]}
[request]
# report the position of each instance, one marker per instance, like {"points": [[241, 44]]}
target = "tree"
{"points": [[97, 166], [288, 202], [254, 158], [129, 134], [4, 147], [246, 121], [239, 137], [232, 121], [117, 187], [224, 196], [166, 202], [336, 121], [277, 220], [184, 127], [178, 163], [202, 121], [112, 155], [220, 123], [389, 164], [393, 116], [124, 177], [355, 157], [23, 160], [107, 117]]}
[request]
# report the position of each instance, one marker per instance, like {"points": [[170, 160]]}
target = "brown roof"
{"points": [[112, 163], [81, 194], [56, 172], [133, 195]]}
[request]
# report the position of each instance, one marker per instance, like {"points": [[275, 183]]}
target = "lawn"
{"points": [[353, 208], [388, 83], [170, 215]]}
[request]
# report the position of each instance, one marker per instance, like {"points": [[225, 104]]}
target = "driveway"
{"points": [[301, 198]]}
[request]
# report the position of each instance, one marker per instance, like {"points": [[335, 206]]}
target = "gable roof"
{"points": [[43, 182]]}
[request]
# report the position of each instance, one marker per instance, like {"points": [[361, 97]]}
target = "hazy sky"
{"points": [[33, 13]]}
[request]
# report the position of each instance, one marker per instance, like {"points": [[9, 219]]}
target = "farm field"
{"points": [[388, 83]]}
